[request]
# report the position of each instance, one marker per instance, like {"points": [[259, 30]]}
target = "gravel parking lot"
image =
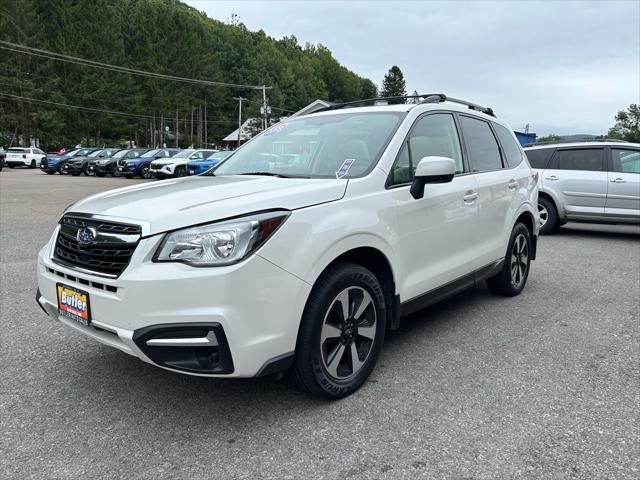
{"points": [[545, 385]]}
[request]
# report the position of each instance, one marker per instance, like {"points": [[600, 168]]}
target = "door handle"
{"points": [[470, 197], [513, 184], [618, 180], [552, 177]]}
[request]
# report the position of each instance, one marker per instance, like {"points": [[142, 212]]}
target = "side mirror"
{"points": [[432, 170]]}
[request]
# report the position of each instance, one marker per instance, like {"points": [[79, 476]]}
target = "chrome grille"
{"points": [[108, 254]]}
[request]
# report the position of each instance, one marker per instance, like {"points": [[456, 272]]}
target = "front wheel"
{"points": [[510, 281], [341, 333], [180, 171], [144, 172], [113, 171]]}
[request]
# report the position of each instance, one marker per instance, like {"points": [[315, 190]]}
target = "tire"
{"points": [[11, 166], [32, 165], [325, 367], [113, 171], [144, 172], [510, 281], [49, 173], [547, 208], [180, 172]]}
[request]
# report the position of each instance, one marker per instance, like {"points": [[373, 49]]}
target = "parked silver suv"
{"points": [[587, 182]]}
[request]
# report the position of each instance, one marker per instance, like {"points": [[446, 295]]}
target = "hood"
{"points": [[182, 202], [169, 161]]}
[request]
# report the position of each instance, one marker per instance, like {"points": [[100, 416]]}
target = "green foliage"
{"points": [[163, 36], [394, 85], [549, 138], [627, 125]]}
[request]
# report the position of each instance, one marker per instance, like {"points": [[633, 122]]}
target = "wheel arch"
{"points": [[528, 220], [552, 197], [374, 260]]}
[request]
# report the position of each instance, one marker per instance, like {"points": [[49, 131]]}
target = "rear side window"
{"points": [[17, 150], [484, 154], [580, 159], [625, 161], [510, 146], [539, 158]]}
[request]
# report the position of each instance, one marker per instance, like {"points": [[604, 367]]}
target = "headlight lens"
{"points": [[219, 244]]}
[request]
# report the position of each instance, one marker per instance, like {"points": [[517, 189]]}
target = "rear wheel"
{"points": [[510, 281], [548, 215], [341, 333], [32, 164]]}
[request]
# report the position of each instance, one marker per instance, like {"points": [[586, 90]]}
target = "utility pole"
{"points": [[176, 132], [240, 100], [205, 123]]}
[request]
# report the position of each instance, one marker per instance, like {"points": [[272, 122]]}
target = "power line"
{"points": [[94, 110], [15, 47]]}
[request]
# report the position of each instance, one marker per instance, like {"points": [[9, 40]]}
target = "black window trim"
{"points": [[495, 137], [389, 185]]}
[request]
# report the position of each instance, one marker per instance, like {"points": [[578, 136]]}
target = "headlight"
{"points": [[218, 244]]}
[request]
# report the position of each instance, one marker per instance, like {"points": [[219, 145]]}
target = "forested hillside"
{"points": [[163, 36]]}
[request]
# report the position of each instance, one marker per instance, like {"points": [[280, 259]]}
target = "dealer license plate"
{"points": [[73, 304]]}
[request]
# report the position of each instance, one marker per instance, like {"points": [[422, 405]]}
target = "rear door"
{"points": [[623, 194], [496, 188], [578, 175]]}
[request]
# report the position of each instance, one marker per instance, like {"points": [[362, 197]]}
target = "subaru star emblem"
{"points": [[86, 235]]}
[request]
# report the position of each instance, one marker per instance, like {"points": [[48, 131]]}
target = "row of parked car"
{"points": [[131, 162]]}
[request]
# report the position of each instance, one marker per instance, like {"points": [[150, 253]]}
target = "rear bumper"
{"points": [[17, 163]]}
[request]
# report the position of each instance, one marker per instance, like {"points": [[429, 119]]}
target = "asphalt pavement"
{"points": [[544, 385]]}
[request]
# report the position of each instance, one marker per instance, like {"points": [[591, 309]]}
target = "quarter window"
{"points": [[510, 146], [432, 135], [580, 159], [482, 147], [625, 161]]}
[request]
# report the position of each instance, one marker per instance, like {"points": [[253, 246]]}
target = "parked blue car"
{"points": [[132, 167], [196, 167], [54, 163]]}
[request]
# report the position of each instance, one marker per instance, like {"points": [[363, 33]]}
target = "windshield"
{"points": [[71, 153], [153, 153], [341, 145], [119, 154], [183, 154], [17, 150], [95, 153]]}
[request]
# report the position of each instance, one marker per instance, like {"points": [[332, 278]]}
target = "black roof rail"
{"points": [[562, 142], [423, 98]]}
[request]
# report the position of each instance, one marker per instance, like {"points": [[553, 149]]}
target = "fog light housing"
{"points": [[188, 347]]}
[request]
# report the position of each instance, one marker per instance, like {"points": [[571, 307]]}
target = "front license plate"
{"points": [[192, 172], [73, 304]]}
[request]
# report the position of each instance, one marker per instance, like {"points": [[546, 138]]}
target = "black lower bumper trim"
{"points": [[207, 359], [38, 295], [277, 365]]}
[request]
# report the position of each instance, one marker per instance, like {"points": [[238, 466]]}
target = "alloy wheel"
{"points": [[348, 333], [144, 172], [519, 260], [544, 214]]}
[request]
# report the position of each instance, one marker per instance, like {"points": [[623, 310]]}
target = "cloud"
{"points": [[564, 67]]}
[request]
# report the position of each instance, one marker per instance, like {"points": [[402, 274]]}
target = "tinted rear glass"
{"points": [[18, 150], [481, 145], [510, 146], [582, 159], [539, 158]]}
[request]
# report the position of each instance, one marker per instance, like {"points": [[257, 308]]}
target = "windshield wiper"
{"points": [[269, 174]]}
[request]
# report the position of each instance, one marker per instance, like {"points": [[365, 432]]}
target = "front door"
{"points": [[437, 233], [623, 194]]}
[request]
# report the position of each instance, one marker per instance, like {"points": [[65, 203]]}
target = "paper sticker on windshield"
{"points": [[344, 169], [275, 129]]}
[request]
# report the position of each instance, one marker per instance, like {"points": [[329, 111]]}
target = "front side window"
{"points": [[482, 147], [432, 135], [510, 146], [580, 159], [625, 161], [343, 145]]}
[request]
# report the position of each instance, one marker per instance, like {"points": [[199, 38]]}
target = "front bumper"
{"points": [[98, 169], [71, 168], [164, 172], [255, 304], [196, 169]]}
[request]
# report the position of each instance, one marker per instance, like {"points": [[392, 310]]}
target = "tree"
{"points": [[549, 138], [627, 125], [394, 85]]}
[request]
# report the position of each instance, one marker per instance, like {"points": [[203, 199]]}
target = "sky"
{"points": [[563, 67]]}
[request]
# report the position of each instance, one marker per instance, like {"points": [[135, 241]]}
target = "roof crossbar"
{"points": [[422, 98]]}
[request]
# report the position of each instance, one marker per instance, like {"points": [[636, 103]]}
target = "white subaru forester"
{"points": [[302, 248]]}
